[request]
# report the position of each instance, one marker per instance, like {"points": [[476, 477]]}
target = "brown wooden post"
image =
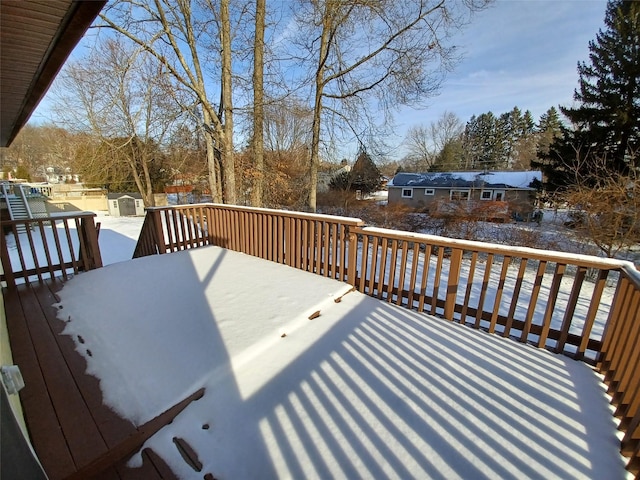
{"points": [[158, 231], [452, 284], [352, 267], [90, 234], [7, 269]]}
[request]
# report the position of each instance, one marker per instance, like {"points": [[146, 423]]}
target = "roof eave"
{"points": [[72, 26]]}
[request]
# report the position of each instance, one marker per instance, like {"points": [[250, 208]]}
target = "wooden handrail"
{"points": [[551, 299], [70, 244]]}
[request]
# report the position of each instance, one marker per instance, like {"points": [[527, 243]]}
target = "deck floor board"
{"points": [[68, 424]]}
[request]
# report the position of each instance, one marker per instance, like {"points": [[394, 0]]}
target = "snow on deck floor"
{"points": [[365, 390]]}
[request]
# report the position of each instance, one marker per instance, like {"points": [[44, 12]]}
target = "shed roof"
{"points": [[36, 38], [116, 196], [499, 179]]}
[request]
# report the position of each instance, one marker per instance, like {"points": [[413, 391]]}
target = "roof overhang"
{"points": [[36, 38]]}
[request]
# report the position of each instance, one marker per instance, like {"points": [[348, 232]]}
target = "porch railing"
{"points": [[582, 306], [69, 244]]}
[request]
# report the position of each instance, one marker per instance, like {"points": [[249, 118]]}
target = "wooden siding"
{"points": [[36, 37], [518, 201]]}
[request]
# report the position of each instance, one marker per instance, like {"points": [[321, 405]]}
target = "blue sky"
{"points": [[517, 53]]}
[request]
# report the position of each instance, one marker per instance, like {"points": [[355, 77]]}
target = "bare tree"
{"points": [[390, 50], [605, 205], [425, 144], [126, 102], [183, 36]]}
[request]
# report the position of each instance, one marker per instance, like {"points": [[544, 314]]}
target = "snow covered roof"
{"points": [[115, 196], [498, 179]]}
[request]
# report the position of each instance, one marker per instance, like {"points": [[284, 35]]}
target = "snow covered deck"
{"points": [[362, 389]]}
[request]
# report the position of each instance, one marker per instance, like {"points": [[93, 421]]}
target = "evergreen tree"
{"points": [[607, 120], [549, 128], [552, 149], [365, 175]]}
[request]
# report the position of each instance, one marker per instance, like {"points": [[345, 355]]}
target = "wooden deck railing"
{"points": [[69, 244], [582, 306], [315, 243]]}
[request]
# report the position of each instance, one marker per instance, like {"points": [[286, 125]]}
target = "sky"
{"points": [[516, 53]]}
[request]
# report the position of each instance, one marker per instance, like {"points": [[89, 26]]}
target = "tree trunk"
{"points": [[228, 164], [258, 105], [314, 161], [210, 144]]}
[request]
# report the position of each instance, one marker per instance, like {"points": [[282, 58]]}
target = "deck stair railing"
{"points": [[16, 202], [69, 245], [582, 306]]}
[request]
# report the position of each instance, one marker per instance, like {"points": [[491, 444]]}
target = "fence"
{"points": [[47, 247], [582, 306]]}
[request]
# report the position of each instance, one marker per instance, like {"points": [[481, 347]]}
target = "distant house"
{"points": [[432, 192]]}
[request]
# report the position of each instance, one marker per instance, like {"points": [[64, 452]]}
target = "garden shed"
{"points": [[125, 204]]}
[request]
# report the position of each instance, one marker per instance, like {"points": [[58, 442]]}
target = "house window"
{"points": [[407, 193], [115, 204], [498, 195], [429, 191], [486, 195], [459, 195]]}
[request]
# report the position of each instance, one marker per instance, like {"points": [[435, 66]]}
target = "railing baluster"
{"points": [[593, 310], [56, 239], [34, 254], [516, 295], [571, 308], [533, 300], [392, 270], [415, 257], [467, 295], [373, 266], [425, 278], [403, 269], [334, 250], [453, 281], [75, 260], [436, 281], [551, 304], [14, 228], [383, 266], [483, 291], [506, 261], [45, 245]]}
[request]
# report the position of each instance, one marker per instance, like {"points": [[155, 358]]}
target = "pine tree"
{"points": [[365, 175], [549, 128], [607, 120], [554, 146]]}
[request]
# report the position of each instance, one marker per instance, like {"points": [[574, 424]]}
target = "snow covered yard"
{"points": [[365, 389]]}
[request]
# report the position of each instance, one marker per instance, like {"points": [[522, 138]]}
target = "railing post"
{"points": [[158, 231], [452, 284], [352, 264], [6, 261], [89, 233]]}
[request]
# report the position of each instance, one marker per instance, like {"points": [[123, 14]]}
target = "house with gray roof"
{"points": [[431, 192]]}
